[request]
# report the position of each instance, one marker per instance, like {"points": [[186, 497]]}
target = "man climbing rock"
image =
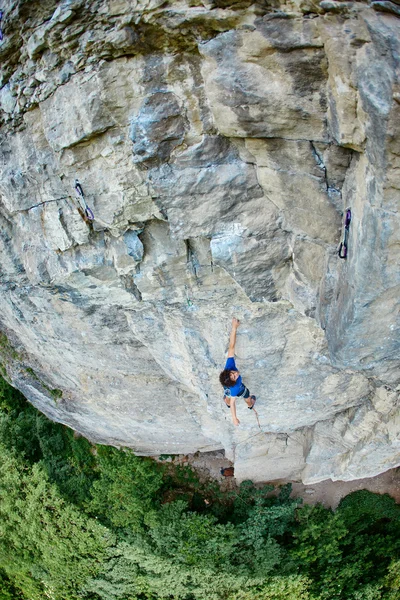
{"points": [[231, 379]]}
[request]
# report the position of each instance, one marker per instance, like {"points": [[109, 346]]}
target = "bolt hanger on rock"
{"points": [[342, 252], [87, 212]]}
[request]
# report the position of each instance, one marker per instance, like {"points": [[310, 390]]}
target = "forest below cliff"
{"points": [[94, 522]]}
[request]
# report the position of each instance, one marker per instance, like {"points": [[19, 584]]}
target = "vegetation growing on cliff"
{"points": [[79, 521]]}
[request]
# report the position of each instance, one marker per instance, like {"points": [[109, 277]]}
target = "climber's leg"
{"points": [[250, 401]]}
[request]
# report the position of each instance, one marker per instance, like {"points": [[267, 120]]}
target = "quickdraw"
{"points": [[87, 212], [342, 252]]}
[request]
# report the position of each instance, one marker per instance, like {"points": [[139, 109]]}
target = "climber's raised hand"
{"points": [[235, 323]]}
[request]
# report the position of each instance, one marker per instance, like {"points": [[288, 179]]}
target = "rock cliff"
{"points": [[218, 144]]}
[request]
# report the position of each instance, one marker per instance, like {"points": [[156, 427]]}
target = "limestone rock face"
{"points": [[218, 145]]}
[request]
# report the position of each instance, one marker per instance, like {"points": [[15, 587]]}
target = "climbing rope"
{"points": [[258, 420], [235, 445]]}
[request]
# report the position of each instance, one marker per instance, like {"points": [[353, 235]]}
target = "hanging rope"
{"points": [[266, 433], [258, 420]]}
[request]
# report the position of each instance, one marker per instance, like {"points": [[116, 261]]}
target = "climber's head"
{"points": [[227, 377]]}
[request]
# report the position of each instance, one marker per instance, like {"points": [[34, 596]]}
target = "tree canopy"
{"points": [[79, 521]]}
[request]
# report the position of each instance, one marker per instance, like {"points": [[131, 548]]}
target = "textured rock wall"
{"points": [[218, 144]]}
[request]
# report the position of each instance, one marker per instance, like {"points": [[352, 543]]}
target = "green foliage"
{"points": [[373, 522], [69, 461], [244, 498], [138, 573], [7, 352], [363, 511], [349, 550], [126, 493], [7, 590], [18, 423], [159, 539], [54, 392], [368, 592], [191, 538], [248, 544], [45, 543], [391, 582], [318, 537], [120, 577], [291, 587]]}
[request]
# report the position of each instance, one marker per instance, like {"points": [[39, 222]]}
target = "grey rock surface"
{"points": [[218, 145]]}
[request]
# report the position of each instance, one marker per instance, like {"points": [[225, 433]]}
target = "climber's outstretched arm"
{"points": [[235, 420], [232, 339]]}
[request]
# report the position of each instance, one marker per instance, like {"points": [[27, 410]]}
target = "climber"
{"points": [[231, 380], [1, 32]]}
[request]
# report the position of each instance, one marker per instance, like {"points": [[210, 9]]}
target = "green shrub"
{"points": [[391, 582], [127, 491], [349, 550], [159, 539], [291, 587], [45, 543], [68, 461], [7, 590]]}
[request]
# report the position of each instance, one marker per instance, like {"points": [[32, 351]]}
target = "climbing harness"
{"points": [[82, 202], [1, 32], [342, 252]]}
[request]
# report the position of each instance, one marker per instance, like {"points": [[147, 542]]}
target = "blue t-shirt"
{"points": [[238, 388]]}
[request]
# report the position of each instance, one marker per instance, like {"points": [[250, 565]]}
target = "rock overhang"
{"points": [[218, 171]]}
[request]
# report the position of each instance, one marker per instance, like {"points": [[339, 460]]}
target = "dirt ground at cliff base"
{"points": [[208, 467], [329, 492]]}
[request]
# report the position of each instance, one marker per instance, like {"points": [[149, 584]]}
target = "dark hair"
{"points": [[225, 378]]}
